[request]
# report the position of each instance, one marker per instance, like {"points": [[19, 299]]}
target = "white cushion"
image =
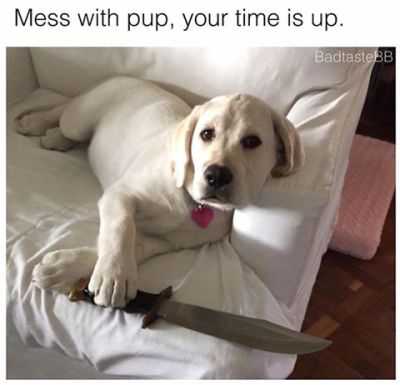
{"points": [[21, 77]]}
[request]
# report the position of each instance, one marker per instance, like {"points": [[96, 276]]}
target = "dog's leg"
{"points": [[114, 279], [62, 269], [38, 122], [79, 119], [149, 246]]}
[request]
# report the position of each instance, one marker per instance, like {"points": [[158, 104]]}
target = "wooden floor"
{"points": [[353, 301]]}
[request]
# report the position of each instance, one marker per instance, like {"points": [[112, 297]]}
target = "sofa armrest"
{"points": [[21, 76], [282, 237]]}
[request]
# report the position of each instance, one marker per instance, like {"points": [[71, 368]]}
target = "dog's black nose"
{"points": [[218, 176]]}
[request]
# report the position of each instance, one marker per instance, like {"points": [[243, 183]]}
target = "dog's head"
{"points": [[224, 151]]}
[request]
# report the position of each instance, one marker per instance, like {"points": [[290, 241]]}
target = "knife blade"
{"points": [[251, 332]]}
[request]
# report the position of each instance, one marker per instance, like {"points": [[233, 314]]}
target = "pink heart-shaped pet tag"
{"points": [[202, 216]]}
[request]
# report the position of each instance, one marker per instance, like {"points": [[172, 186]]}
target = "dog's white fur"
{"points": [[147, 151]]}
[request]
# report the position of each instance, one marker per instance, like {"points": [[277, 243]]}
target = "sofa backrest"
{"points": [[277, 75]]}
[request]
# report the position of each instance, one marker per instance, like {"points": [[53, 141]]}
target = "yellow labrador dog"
{"points": [[171, 174]]}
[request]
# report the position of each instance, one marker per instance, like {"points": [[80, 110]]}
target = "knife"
{"points": [[252, 332]]}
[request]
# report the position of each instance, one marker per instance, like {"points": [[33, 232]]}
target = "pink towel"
{"points": [[367, 193]]}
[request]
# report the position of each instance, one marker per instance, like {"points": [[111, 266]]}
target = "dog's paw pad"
{"points": [[55, 140]]}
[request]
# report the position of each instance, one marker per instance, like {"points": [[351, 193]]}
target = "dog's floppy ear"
{"points": [[291, 152], [181, 145]]}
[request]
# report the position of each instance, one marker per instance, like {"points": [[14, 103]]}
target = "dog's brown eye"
{"points": [[250, 142], [207, 134]]}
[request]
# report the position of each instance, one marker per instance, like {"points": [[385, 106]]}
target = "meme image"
{"points": [[185, 211]]}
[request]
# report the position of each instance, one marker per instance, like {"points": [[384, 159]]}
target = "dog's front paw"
{"points": [[114, 282], [55, 140], [61, 269], [32, 124]]}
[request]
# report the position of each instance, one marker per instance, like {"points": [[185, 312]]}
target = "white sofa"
{"points": [[266, 268]]}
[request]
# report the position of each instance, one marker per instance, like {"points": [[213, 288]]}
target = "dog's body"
{"points": [[130, 151], [159, 163]]}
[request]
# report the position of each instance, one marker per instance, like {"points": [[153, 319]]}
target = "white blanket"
{"points": [[51, 204]]}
